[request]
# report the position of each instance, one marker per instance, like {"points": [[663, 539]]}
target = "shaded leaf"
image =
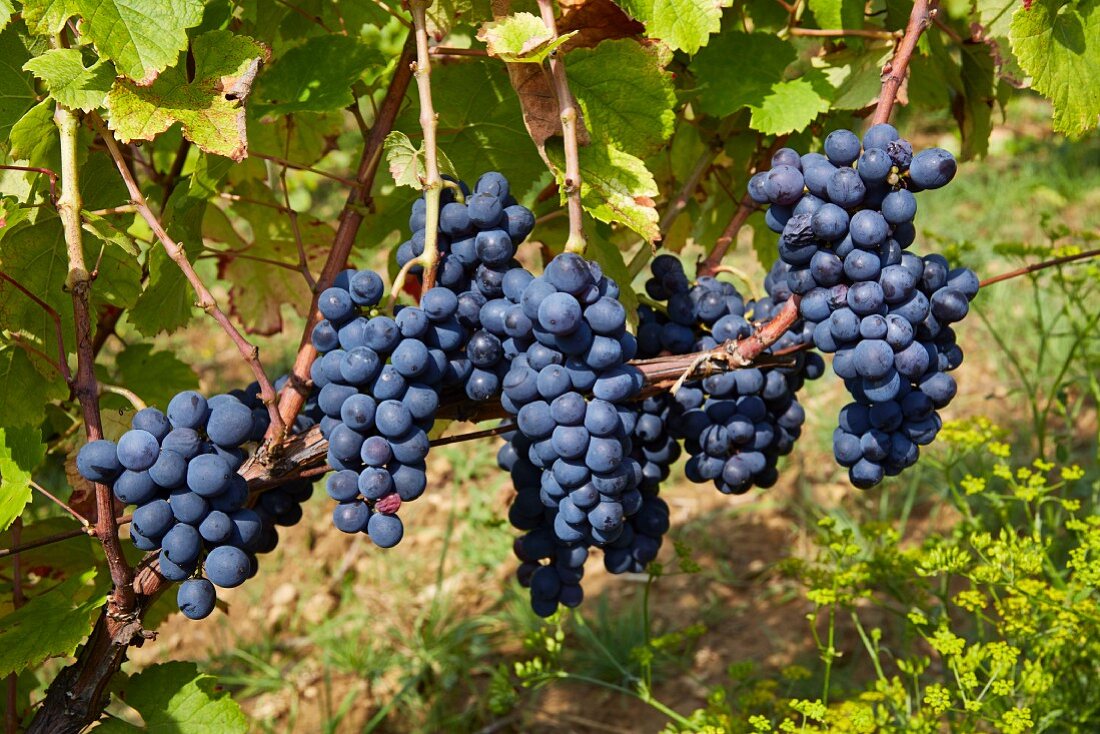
{"points": [[739, 70], [155, 376], [259, 289], [26, 389], [51, 624], [315, 76], [17, 94], [106, 231], [167, 302], [209, 108], [34, 137], [625, 94]]}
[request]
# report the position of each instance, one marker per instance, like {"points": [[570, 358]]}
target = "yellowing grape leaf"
{"points": [[520, 38], [209, 108]]}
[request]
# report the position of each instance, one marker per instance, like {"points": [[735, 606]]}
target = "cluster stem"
{"points": [[567, 109], [433, 182]]}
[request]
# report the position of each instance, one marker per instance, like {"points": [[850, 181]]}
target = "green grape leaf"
{"points": [[154, 376], [855, 75], [7, 10], [975, 115], [739, 70], [34, 137], [684, 25], [1058, 43], [304, 137], [29, 388], [520, 38], [837, 13], [315, 76], [995, 18], [167, 303], [625, 94], [54, 561], [406, 162], [259, 289], [616, 187], [36, 256], [444, 15], [176, 697], [791, 105], [50, 624], [17, 94], [106, 231], [763, 241], [21, 451], [63, 72], [209, 108], [142, 37]]}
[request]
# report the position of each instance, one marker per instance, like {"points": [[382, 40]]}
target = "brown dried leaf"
{"points": [[595, 21]]}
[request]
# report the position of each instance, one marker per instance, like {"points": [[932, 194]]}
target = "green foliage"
{"points": [[207, 107], [1057, 43], [53, 623], [177, 697]]}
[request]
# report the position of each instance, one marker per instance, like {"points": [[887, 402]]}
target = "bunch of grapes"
{"points": [[846, 220], [735, 425], [568, 390], [380, 379], [180, 472]]}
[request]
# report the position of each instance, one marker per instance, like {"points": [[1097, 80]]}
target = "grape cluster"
{"points": [[568, 389], [478, 234], [380, 380], [845, 221], [735, 425], [180, 472]]}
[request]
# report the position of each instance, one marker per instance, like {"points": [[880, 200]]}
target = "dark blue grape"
{"points": [[208, 475], [385, 531], [932, 168], [196, 598], [187, 410], [227, 566], [153, 421], [842, 147], [97, 461]]}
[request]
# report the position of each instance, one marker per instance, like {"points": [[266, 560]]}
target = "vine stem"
{"points": [[675, 207], [249, 352], [62, 355], [79, 283], [1040, 266], [567, 109], [302, 167], [745, 208], [351, 218], [11, 719], [841, 32], [32, 169], [894, 71], [433, 182]]}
